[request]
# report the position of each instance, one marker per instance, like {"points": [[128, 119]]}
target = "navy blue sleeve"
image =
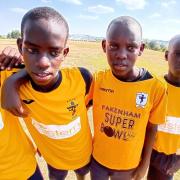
{"points": [[87, 76]]}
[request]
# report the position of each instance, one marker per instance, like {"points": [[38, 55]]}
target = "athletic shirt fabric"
{"points": [[17, 154], [121, 111], [168, 135], [58, 121]]}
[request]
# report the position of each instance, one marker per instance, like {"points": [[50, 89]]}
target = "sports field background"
{"points": [[91, 56]]}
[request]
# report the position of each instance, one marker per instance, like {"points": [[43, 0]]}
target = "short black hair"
{"points": [[125, 20], [44, 13]]}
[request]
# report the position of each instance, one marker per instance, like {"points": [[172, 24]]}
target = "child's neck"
{"points": [[172, 79], [48, 88], [135, 75]]}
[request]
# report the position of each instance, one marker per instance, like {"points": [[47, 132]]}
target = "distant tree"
{"points": [[146, 42], [163, 47], [154, 45], [14, 34], [1, 37]]}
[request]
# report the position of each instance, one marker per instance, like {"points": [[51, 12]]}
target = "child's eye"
{"points": [[55, 53], [131, 48], [112, 47], [177, 54], [32, 50]]}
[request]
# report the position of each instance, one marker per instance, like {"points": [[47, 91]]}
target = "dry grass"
{"points": [[91, 56]]}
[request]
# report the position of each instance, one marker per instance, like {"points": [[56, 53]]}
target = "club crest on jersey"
{"points": [[72, 105], [141, 99]]}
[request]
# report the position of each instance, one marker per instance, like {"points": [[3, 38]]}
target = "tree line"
{"points": [[155, 45], [149, 44], [12, 35]]}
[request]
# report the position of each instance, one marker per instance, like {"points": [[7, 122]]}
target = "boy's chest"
{"points": [[54, 107], [132, 98]]}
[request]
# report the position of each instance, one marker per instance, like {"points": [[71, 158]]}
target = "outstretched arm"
{"points": [[9, 58], [146, 153], [10, 99]]}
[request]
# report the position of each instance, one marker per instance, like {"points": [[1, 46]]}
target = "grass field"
{"points": [[91, 56]]}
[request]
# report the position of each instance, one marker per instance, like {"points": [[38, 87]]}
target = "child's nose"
{"points": [[44, 62], [121, 54]]}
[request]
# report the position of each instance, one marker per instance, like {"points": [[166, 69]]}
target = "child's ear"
{"points": [[166, 55], [104, 45], [19, 44], [65, 51], [141, 49]]}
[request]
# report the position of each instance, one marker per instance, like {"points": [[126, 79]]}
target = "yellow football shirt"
{"points": [[58, 121], [121, 111], [17, 154], [168, 135]]}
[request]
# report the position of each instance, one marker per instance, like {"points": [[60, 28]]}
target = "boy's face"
{"points": [[43, 49], [173, 58], [122, 48]]}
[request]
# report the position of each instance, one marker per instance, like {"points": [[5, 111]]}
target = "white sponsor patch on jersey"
{"points": [[141, 99], [58, 131], [1, 122], [172, 125]]}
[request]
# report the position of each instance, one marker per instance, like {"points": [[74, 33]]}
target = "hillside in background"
{"points": [[84, 37], [157, 45]]}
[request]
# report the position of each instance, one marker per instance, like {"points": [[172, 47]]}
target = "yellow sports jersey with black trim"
{"points": [[58, 121], [168, 135], [121, 111], [17, 154]]}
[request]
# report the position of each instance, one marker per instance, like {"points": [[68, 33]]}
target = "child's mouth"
{"points": [[42, 76], [120, 66]]}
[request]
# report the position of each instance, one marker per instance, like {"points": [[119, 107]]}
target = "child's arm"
{"points": [[147, 150], [9, 58], [10, 99]]}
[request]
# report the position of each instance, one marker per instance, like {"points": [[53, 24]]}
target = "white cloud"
{"points": [[100, 9], [133, 4], [81, 16], [46, 1], [175, 21], [166, 4], [19, 10], [154, 15], [76, 2]]}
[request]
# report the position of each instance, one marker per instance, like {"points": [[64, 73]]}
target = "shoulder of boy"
{"points": [[160, 80], [87, 76], [99, 75]]}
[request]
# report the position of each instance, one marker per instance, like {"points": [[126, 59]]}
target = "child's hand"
{"points": [[174, 168], [9, 58], [10, 99], [140, 171]]}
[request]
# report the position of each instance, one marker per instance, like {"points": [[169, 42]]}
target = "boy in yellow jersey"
{"points": [[165, 160], [128, 103], [17, 154], [54, 98]]}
